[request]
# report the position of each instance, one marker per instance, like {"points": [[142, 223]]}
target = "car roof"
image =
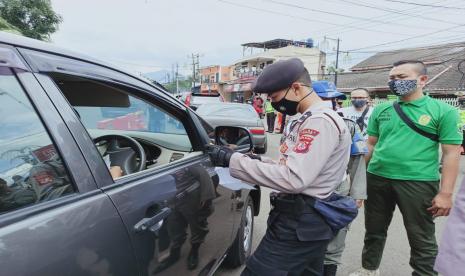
{"points": [[230, 104], [226, 104], [34, 44]]}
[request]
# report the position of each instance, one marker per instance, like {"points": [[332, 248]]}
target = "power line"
{"points": [[410, 38], [340, 14], [303, 18], [441, 46], [363, 4], [426, 5], [392, 18]]}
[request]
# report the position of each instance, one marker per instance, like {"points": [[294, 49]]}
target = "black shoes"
{"points": [[193, 258], [175, 254], [330, 270]]}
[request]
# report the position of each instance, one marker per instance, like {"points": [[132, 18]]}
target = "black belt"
{"points": [[292, 203]]}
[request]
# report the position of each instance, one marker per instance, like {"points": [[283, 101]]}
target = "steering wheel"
{"points": [[243, 141], [125, 157]]}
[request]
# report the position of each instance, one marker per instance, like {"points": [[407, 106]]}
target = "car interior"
{"points": [[128, 131]]}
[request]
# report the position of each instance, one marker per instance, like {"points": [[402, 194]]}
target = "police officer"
{"points": [[314, 154]]}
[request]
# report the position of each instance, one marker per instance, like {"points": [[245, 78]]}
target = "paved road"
{"points": [[397, 251]]}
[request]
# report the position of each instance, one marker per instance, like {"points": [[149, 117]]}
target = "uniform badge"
{"points": [[283, 149], [306, 137], [424, 120]]}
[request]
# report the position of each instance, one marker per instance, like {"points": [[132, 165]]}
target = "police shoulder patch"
{"points": [[306, 137]]}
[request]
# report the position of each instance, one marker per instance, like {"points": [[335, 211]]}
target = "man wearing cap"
{"points": [[328, 93], [314, 153], [353, 183]]}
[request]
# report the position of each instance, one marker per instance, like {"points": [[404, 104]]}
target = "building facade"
{"points": [[212, 78], [246, 70]]}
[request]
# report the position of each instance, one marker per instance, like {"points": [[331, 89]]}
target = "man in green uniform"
{"points": [[462, 119], [403, 169]]}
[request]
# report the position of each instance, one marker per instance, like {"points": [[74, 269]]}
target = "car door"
{"points": [[53, 218], [177, 200]]}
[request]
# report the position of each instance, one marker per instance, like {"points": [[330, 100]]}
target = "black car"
{"points": [[102, 173]]}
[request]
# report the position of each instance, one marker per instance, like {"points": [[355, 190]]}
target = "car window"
{"points": [[110, 109], [31, 170], [138, 116], [227, 110]]}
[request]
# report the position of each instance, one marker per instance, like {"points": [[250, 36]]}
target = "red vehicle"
{"points": [[131, 121]]}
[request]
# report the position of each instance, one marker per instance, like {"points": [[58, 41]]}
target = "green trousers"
{"points": [[412, 198]]}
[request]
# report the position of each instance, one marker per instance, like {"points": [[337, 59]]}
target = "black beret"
{"points": [[278, 76]]}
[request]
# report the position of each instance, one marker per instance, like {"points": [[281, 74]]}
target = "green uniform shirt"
{"points": [[462, 116], [401, 153], [268, 107]]}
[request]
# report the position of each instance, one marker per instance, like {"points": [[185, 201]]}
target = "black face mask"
{"points": [[286, 106]]}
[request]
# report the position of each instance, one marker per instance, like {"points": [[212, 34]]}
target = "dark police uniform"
{"points": [[314, 154]]}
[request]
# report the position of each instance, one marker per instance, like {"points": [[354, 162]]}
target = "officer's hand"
{"points": [[442, 204], [254, 156], [220, 155], [359, 202]]}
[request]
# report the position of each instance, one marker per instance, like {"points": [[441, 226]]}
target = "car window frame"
{"points": [[153, 95], [57, 133]]}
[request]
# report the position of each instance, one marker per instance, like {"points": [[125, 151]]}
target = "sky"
{"points": [[152, 35]]}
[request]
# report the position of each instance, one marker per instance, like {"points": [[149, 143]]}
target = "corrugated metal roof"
{"points": [[441, 62], [450, 78], [432, 54]]}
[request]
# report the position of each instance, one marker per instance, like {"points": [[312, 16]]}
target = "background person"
{"points": [[359, 111], [270, 115]]}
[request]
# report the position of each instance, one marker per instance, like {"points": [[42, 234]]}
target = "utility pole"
{"points": [[177, 78], [325, 44], [172, 72], [195, 63], [337, 62]]}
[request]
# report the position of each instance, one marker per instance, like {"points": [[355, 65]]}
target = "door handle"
{"points": [[154, 223]]}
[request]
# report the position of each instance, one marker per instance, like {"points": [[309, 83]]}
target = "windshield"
{"points": [[227, 110]]}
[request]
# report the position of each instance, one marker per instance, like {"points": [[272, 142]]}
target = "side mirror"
{"points": [[237, 138]]}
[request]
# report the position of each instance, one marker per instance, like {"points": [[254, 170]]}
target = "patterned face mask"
{"points": [[402, 87]]}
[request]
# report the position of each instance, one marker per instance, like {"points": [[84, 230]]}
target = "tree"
{"points": [[183, 85], [7, 27], [33, 18], [332, 69]]}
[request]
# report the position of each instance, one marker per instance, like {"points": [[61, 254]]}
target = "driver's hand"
{"points": [[116, 172], [232, 146]]}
